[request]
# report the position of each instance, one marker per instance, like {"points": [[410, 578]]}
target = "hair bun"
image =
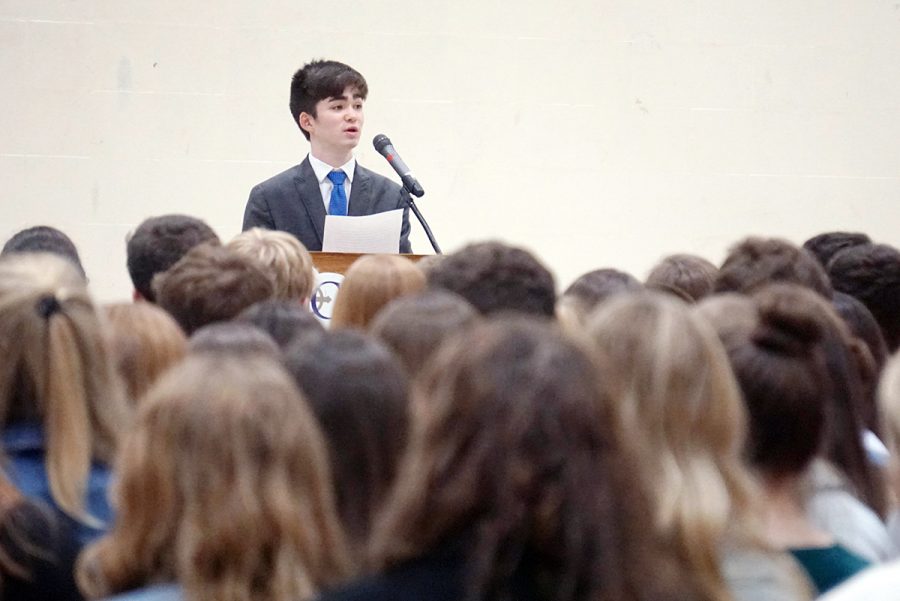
{"points": [[788, 323]]}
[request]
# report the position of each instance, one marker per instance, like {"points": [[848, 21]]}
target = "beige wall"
{"points": [[597, 133]]}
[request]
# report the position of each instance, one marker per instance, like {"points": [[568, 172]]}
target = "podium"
{"points": [[328, 262]]}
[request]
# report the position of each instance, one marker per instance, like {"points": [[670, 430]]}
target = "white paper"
{"points": [[378, 233]]}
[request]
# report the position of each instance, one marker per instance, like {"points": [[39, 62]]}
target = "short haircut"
{"points": [[755, 262], [889, 405], [824, 246], [238, 339], [415, 326], [43, 238], [871, 273], [321, 79], [285, 321], [158, 243], [145, 341], [371, 283], [283, 255], [497, 277], [210, 284], [688, 277], [359, 393]]}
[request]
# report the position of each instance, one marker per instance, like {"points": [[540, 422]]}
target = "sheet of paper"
{"points": [[378, 233]]}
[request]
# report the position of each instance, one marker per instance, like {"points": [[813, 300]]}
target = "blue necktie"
{"points": [[338, 203]]}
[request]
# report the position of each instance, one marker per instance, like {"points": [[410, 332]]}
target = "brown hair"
{"points": [[209, 284], [688, 277], [513, 455], [283, 256], [224, 488], [755, 262], [370, 283], [145, 341], [56, 368]]}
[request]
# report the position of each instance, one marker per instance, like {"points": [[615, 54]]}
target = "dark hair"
{"points": [[689, 277], [232, 338], [209, 284], [158, 243], [755, 262], [283, 320], [359, 394], [321, 79], [415, 326], [514, 458], [594, 287], [824, 246], [43, 238], [871, 273], [495, 277]]}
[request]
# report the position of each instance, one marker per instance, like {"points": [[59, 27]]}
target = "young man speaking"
{"points": [[327, 99]]}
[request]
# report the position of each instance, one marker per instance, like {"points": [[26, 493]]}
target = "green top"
{"points": [[827, 567]]}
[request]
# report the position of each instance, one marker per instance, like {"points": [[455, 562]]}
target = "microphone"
{"points": [[386, 149]]}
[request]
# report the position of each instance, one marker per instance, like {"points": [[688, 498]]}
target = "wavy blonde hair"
{"points": [[56, 369], [678, 399], [284, 257], [371, 283], [224, 488]]}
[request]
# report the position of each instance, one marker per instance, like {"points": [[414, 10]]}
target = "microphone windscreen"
{"points": [[380, 142]]}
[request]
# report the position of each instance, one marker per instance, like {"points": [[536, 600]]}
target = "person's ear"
{"points": [[136, 296], [306, 122]]}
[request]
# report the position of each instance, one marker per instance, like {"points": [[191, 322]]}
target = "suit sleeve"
{"points": [[257, 213], [402, 202]]}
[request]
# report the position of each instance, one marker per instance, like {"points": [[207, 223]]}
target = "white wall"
{"points": [[597, 133]]}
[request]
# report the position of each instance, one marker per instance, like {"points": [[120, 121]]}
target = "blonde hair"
{"points": [[224, 488], [145, 341], [285, 258], [56, 369], [678, 398], [371, 283]]}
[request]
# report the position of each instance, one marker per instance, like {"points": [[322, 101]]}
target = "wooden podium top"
{"points": [[340, 262]]}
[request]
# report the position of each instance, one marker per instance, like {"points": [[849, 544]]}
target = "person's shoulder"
{"points": [[165, 592], [875, 584], [280, 179]]}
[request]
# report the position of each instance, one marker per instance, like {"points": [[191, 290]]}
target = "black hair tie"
{"points": [[47, 306]]}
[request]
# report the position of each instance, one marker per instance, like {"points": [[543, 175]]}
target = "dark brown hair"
{"points": [[688, 277], [755, 262]]}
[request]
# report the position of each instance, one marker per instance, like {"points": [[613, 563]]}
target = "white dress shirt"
{"points": [[322, 170]]}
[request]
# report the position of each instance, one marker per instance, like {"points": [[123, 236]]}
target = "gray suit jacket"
{"points": [[292, 202]]}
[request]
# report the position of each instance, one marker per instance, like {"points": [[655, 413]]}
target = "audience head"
{"points": [[283, 256], [588, 291], [889, 404], [319, 80], [358, 392], [372, 282], [144, 341], [496, 277], [158, 243], [871, 273], [755, 262], [234, 338], [415, 326], [284, 321], [513, 458], [223, 488], [824, 246], [689, 277], [43, 238], [56, 371], [210, 284]]}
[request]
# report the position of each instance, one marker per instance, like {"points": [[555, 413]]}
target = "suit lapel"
{"points": [[311, 196], [360, 198]]}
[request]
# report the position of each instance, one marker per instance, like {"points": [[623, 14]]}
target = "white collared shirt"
{"points": [[322, 170]]}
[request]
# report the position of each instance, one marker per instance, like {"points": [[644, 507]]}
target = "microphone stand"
{"points": [[418, 214]]}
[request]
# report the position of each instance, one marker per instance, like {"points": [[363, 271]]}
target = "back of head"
{"points": [[415, 326], [688, 277], [889, 405], [224, 488], [371, 283], [144, 341], [358, 392], [598, 285], [43, 238], [283, 320], [238, 339], [755, 262], [158, 243], [824, 246], [283, 256], [871, 273], [513, 457], [56, 371], [496, 277], [210, 284], [321, 79]]}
